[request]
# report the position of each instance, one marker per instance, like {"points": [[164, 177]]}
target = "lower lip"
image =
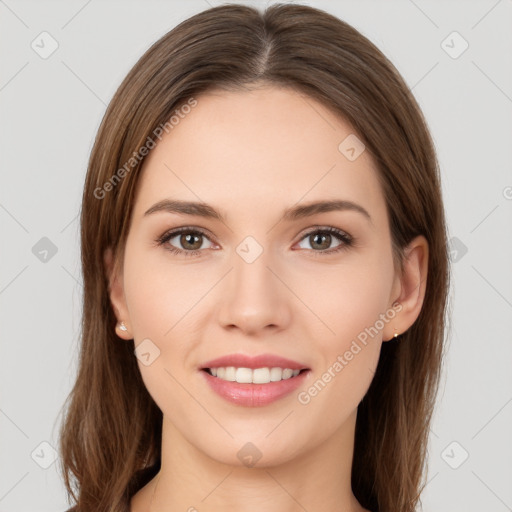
{"points": [[254, 395]]}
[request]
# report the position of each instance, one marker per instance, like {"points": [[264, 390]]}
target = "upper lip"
{"points": [[259, 361]]}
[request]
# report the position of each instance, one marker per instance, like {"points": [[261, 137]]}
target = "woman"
{"points": [[265, 276]]}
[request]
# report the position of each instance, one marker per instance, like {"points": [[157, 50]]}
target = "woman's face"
{"points": [[258, 281]]}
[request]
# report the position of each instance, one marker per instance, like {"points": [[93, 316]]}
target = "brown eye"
{"points": [[186, 241], [192, 242], [320, 240]]}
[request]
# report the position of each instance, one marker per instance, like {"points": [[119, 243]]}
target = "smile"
{"points": [[255, 387]]}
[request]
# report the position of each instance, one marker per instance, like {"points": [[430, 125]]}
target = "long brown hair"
{"points": [[110, 438]]}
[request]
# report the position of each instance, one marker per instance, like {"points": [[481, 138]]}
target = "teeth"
{"points": [[230, 373], [250, 376]]}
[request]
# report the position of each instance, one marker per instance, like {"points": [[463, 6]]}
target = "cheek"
{"points": [[160, 299], [352, 306], [347, 299], [160, 295]]}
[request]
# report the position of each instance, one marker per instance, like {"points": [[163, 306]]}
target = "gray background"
{"points": [[50, 109]]}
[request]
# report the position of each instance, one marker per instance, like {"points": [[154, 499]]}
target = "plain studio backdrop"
{"points": [[61, 62]]}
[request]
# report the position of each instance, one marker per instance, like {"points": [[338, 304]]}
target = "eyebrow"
{"points": [[290, 214]]}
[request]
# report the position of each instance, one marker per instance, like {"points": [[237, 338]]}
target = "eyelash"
{"points": [[345, 239]]}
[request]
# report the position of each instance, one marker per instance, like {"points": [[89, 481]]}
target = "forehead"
{"points": [[263, 147]]}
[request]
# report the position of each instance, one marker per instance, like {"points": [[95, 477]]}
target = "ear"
{"points": [[411, 286], [116, 293]]}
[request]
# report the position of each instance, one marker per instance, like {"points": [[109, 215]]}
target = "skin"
{"points": [[251, 155]]}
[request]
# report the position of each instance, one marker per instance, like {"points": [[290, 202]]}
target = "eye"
{"points": [[320, 240], [190, 240]]}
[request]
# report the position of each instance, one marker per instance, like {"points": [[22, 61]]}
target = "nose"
{"points": [[253, 297]]}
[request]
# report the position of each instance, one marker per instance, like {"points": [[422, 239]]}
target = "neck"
{"points": [[190, 480]]}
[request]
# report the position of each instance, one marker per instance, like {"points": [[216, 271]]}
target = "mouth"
{"points": [[254, 387], [263, 375]]}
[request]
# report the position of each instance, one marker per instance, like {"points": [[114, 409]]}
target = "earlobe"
{"points": [[413, 284], [116, 295]]}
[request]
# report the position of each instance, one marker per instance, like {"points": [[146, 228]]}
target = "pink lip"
{"points": [[261, 361], [254, 395]]}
